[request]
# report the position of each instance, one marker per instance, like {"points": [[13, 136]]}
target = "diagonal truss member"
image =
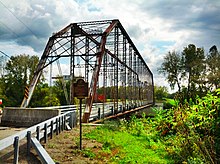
{"points": [[108, 55]]}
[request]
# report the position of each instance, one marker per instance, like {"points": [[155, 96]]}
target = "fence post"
{"points": [[57, 127], [99, 113], [16, 149], [45, 133], [120, 108], [61, 123], [28, 143], [124, 108], [38, 133], [112, 110], [74, 119], [51, 129], [64, 122], [71, 120]]}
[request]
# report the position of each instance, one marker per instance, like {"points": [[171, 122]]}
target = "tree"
{"points": [[194, 69], [213, 76], [19, 70], [160, 92], [171, 68], [58, 89]]}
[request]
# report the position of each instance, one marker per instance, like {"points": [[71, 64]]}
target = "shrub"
{"points": [[192, 131]]}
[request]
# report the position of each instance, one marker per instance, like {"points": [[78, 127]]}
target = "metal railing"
{"points": [[40, 132], [65, 121]]}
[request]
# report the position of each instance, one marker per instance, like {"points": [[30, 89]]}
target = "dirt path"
{"points": [[64, 149]]}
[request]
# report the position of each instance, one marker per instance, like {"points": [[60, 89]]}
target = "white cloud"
{"points": [[155, 27]]}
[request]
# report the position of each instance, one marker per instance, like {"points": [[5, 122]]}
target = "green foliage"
{"points": [[186, 133], [88, 153], [172, 68], [213, 67], [169, 103], [191, 132], [19, 69], [160, 92], [191, 71], [134, 140]]}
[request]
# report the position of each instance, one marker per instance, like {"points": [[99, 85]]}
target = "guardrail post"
{"points": [[57, 127], [61, 123], [71, 120], [28, 143], [64, 123], [45, 133], [16, 149], [99, 113], [74, 118], [38, 133], [124, 109], [120, 108], [112, 110], [51, 129]]}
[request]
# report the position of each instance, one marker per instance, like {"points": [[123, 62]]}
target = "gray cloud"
{"points": [[203, 16], [154, 26]]}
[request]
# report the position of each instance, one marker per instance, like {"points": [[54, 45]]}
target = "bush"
{"points": [[192, 131]]}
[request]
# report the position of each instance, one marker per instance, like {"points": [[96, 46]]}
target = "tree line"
{"points": [[19, 71], [192, 71]]}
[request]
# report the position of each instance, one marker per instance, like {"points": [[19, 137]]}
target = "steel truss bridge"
{"points": [[102, 53]]}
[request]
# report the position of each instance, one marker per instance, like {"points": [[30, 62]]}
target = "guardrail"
{"points": [[40, 131], [65, 121]]}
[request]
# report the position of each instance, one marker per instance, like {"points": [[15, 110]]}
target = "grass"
{"points": [[130, 148]]}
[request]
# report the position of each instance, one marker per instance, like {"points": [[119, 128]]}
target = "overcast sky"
{"points": [[155, 26]]}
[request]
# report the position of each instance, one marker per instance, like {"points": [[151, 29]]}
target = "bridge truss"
{"points": [[106, 58]]}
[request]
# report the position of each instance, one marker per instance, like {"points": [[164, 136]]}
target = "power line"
{"points": [[13, 32], [5, 54], [17, 18]]}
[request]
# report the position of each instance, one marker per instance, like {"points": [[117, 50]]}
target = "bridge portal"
{"points": [[103, 54]]}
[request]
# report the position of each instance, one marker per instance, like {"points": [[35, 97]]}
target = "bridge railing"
{"points": [[40, 131]]}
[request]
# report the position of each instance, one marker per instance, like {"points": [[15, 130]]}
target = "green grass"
{"points": [[131, 148]]}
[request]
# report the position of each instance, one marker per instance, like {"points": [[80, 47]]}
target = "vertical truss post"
{"points": [[138, 82], [135, 78], [72, 65], [105, 67], [116, 97], [124, 70], [111, 72], [87, 60], [130, 74]]}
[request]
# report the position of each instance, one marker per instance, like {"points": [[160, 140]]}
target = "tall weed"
{"points": [[191, 132]]}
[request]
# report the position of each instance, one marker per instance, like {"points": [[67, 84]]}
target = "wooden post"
{"points": [[71, 120], [45, 133], [57, 127], [59, 124], [51, 129], [28, 143], [99, 113], [38, 133], [64, 122], [16, 150]]}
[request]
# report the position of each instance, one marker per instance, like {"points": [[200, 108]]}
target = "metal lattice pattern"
{"points": [[104, 55]]}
